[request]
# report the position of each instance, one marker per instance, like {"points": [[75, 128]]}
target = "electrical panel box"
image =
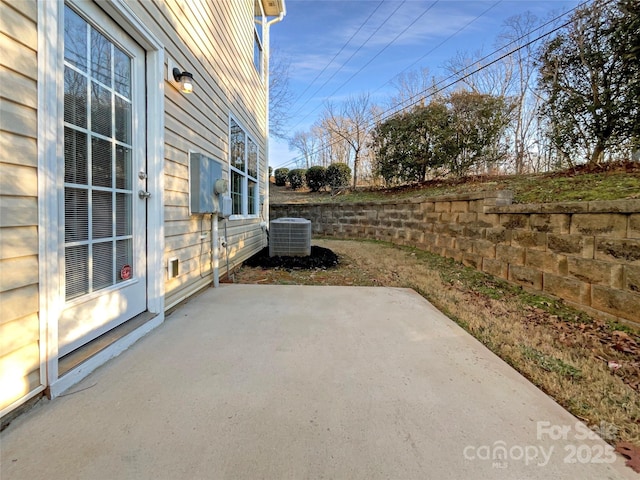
{"points": [[204, 172]]}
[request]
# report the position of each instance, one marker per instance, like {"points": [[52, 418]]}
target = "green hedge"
{"points": [[338, 175], [316, 178], [281, 176], [296, 178]]}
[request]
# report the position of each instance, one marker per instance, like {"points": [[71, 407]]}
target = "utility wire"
{"points": [[339, 52], [440, 44], [426, 94], [344, 64], [371, 60]]}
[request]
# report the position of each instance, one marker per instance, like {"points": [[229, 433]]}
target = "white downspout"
{"points": [[267, 44]]}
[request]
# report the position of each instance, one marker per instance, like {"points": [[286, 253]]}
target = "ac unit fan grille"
{"points": [[290, 237]]}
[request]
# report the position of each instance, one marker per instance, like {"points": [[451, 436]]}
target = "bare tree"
{"points": [[351, 122], [493, 80], [522, 89], [279, 93], [307, 144], [411, 88]]}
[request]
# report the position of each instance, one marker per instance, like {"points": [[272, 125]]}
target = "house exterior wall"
{"points": [[213, 40], [19, 323]]}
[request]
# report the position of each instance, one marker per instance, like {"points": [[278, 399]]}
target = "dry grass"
{"points": [[538, 336]]}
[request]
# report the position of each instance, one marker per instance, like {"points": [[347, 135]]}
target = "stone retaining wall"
{"points": [[587, 253]]}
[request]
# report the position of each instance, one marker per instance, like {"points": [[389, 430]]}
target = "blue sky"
{"points": [[314, 31]]}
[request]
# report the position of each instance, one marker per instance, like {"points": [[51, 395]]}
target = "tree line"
{"points": [[551, 103]]}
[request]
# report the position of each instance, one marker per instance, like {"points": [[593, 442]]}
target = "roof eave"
{"points": [[274, 8]]}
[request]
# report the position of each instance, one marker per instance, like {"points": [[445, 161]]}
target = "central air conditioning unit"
{"points": [[290, 237]]}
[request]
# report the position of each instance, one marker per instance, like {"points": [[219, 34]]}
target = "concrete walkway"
{"points": [[294, 382]]}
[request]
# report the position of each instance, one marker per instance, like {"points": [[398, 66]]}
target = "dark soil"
{"points": [[319, 258]]}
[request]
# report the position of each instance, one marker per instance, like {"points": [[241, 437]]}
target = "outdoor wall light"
{"points": [[185, 79]]}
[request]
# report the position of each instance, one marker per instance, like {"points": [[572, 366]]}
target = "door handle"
{"points": [[143, 194]]}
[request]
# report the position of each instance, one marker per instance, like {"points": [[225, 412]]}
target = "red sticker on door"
{"points": [[125, 272]]}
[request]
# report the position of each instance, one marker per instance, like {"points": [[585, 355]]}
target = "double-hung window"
{"points": [[243, 165], [258, 53]]}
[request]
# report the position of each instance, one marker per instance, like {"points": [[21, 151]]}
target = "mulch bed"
{"points": [[319, 258]]}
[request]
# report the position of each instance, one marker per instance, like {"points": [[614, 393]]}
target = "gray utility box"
{"points": [[290, 237], [203, 173]]}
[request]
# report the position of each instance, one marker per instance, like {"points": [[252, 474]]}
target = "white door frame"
{"points": [[50, 108]]}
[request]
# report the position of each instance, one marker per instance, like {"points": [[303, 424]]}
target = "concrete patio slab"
{"points": [[297, 382]]}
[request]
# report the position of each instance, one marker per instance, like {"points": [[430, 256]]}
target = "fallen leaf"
{"points": [[632, 453]]}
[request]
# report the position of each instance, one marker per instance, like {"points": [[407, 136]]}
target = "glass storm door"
{"points": [[104, 219]]}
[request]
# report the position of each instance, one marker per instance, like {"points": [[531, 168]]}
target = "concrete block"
{"points": [[371, 215], [615, 206], [432, 217], [456, 230], [516, 220], [417, 236], [634, 226], [546, 261], [476, 206], [443, 206], [498, 235], [427, 207], [494, 267], [528, 277], [509, 254], [411, 225], [631, 278], [621, 251], [460, 206], [568, 244], [430, 239], [567, 288], [599, 224], [503, 197], [488, 220], [441, 227], [529, 239], [445, 241], [466, 218], [564, 207], [472, 260], [474, 232], [550, 222], [427, 227], [589, 270], [464, 244], [451, 253], [484, 248], [621, 303], [449, 217]]}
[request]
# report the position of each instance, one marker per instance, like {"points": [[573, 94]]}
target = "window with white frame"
{"points": [[258, 52], [243, 165]]}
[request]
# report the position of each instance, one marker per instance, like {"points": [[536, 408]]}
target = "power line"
{"points": [[372, 59], [339, 52], [421, 95], [441, 43], [344, 64]]}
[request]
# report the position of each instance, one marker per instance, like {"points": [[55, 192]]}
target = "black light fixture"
{"points": [[185, 79]]}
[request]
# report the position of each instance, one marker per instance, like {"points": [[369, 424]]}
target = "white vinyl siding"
{"points": [[19, 322], [214, 41]]}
